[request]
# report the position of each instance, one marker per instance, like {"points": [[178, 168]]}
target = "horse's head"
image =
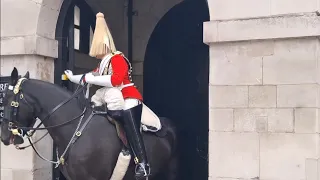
{"points": [[18, 111]]}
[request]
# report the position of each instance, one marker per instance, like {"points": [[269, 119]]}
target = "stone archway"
{"points": [[176, 81]]}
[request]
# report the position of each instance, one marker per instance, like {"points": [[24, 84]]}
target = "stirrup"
{"points": [[144, 167]]}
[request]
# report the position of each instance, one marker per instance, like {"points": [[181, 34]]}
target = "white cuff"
{"points": [[104, 80], [76, 79]]}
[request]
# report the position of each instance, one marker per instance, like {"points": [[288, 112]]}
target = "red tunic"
{"points": [[120, 75]]}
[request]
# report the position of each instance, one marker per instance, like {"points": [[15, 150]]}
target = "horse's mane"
{"points": [[57, 91], [52, 87]]}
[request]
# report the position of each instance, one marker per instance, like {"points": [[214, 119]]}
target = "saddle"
{"points": [[150, 122]]}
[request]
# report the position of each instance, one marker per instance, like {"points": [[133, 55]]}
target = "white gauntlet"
{"points": [[73, 78], [104, 80]]}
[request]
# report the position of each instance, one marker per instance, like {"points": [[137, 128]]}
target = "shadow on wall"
{"points": [[176, 77]]}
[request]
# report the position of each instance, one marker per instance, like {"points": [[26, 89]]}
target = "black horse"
{"points": [[94, 154]]}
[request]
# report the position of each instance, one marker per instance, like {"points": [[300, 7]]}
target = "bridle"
{"points": [[13, 124]]}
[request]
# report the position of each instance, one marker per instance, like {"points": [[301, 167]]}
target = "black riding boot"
{"points": [[131, 121], [132, 124]]}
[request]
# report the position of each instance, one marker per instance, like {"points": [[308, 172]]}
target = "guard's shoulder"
{"points": [[117, 55], [117, 59], [117, 52]]}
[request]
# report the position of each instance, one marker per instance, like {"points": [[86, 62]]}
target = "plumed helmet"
{"points": [[102, 41]]}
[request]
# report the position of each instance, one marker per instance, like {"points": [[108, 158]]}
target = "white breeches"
{"points": [[113, 98]]}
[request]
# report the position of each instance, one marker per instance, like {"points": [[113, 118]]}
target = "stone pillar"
{"points": [[27, 43], [264, 91], [26, 164]]}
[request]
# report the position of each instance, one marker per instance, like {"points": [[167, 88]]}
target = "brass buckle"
{"points": [[10, 125], [62, 160], [14, 104], [15, 132], [16, 90]]}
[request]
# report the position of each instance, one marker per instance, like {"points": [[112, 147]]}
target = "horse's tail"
{"points": [[171, 133]]}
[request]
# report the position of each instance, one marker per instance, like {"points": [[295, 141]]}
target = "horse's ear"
{"points": [[27, 75], [14, 76]]}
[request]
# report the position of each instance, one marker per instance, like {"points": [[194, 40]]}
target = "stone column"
{"points": [[28, 43], [36, 55], [264, 92], [22, 48]]}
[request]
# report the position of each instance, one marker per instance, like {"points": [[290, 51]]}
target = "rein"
{"points": [[53, 111], [18, 130]]}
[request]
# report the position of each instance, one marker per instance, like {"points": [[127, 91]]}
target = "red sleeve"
{"points": [[119, 70]]}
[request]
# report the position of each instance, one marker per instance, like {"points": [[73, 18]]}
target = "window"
{"points": [[76, 27], [83, 27]]}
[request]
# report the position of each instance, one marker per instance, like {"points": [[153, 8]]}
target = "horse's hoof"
{"points": [[141, 177]]}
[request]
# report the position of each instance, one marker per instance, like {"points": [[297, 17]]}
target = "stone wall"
{"points": [[264, 90], [27, 42], [26, 164], [235, 9]]}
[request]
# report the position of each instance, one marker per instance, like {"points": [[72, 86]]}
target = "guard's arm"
{"points": [[76, 78], [73, 78], [119, 70]]}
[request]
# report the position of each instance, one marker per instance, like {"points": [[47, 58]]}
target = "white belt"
{"points": [[126, 85]]}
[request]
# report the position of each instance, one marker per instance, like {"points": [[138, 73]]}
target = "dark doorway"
{"points": [[73, 32], [176, 76]]}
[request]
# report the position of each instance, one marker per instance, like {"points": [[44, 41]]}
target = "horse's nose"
{"points": [[5, 141]]}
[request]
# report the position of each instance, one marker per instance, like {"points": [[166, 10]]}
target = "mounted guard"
{"points": [[118, 93]]}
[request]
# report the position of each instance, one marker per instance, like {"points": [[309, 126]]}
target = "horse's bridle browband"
{"points": [[78, 131], [15, 104]]}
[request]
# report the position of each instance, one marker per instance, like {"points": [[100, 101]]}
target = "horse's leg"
{"points": [[173, 167], [171, 170]]}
